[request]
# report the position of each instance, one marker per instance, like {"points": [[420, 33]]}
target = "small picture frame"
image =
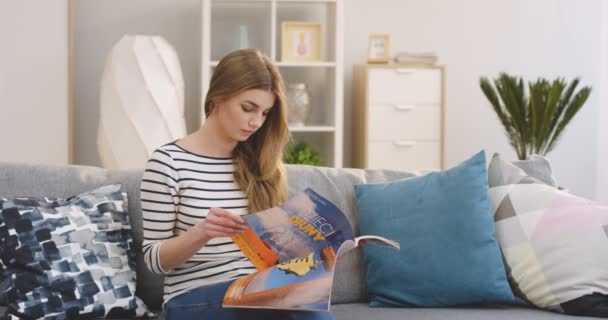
{"points": [[301, 41], [379, 48]]}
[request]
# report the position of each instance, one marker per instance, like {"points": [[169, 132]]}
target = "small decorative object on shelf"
{"points": [[301, 153], [298, 104], [379, 48], [427, 58], [242, 41], [301, 41]]}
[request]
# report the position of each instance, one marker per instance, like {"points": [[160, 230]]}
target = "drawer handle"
{"points": [[404, 107], [404, 144], [404, 70]]}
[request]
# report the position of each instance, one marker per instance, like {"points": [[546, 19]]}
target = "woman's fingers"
{"points": [[222, 223], [226, 218], [220, 231], [225, 213]]}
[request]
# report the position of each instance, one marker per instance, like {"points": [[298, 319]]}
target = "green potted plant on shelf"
{"points": [[534, 119], [301, 153]]}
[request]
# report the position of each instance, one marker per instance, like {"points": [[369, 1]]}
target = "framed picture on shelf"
{"points": [[301, 41], [379, 48]]}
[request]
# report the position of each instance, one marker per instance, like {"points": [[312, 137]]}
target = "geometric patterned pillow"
{"points": [[555, 244], [68, 258]]}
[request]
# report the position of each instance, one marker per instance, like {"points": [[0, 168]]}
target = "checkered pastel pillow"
{"points": [[555, 244], [68, 258]]}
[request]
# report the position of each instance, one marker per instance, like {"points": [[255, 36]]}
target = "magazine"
{"points": [[294, 247]]}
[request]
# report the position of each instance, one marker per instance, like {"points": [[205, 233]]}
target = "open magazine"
{"points": [[294, 247]]}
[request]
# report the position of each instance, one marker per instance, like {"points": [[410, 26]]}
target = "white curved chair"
{"points": [[141, 101]]}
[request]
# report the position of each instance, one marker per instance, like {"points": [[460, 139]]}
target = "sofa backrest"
{"points": [[337, 185]]}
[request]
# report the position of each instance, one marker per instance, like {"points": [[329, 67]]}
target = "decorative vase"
{"points": [[538, 167], [242, 39], [298, 104]]}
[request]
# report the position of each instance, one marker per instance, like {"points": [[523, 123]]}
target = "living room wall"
{"points": [[476, 38], [602, 160], [473, 38], [34, 96]]}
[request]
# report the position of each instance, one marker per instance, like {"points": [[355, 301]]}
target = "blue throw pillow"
{"points": [[443, 221]]}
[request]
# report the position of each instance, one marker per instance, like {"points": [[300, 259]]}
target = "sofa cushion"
{"points": [[555, 244], [361, 311], [449, 254], [495, 311], [34, 180], [67, 257]]}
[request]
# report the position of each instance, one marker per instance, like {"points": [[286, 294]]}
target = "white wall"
{"points": [[475, 38], [602, 160], [34, 81], [98, 25]]}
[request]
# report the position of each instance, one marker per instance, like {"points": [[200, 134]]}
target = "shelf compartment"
{"points": [[329, 64], [227, 20], [320, 141], [312, 129], [320, 91], [321, 12]]}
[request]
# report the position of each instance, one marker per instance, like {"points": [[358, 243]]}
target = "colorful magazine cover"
{"points": [[294, 247]]}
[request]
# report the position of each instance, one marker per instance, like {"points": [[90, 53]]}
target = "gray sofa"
{"points": [[349, 292]]}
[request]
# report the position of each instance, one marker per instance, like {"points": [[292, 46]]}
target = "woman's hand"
{"points": [[221, 223]]}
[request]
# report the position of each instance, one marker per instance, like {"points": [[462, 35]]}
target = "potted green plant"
{"points": [[534, 119], [301, 153]]}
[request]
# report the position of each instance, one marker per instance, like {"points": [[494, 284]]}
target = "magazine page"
{"points": [[294, 245], [305, 223], [367, 239]]}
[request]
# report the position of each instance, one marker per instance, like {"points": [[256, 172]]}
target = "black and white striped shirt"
{"points": [[177, 190]]}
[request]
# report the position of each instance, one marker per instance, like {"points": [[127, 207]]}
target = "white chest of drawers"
{"points": [[398, 117]]}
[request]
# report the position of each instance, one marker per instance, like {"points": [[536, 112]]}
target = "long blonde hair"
{"points": [[259, 169]]}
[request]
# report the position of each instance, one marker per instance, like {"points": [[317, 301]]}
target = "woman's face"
{"points": [[243, 114]]}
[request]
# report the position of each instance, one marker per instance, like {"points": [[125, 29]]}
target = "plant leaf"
{"points": [[500, 111], [570, 111], [565, 101], [551, 106], [508, 90], [537, 107]]}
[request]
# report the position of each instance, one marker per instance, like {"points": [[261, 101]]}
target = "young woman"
{"points": [[194, 190]]}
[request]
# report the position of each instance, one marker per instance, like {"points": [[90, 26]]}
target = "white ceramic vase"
{"points": [[298, 104]]}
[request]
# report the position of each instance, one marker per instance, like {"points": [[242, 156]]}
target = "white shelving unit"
{"points": [[325, 81]]}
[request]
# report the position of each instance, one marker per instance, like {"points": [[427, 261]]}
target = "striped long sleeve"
{"points": [[159, 199]]}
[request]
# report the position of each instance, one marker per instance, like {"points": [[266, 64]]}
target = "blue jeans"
{"points": [[206, 303]]}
